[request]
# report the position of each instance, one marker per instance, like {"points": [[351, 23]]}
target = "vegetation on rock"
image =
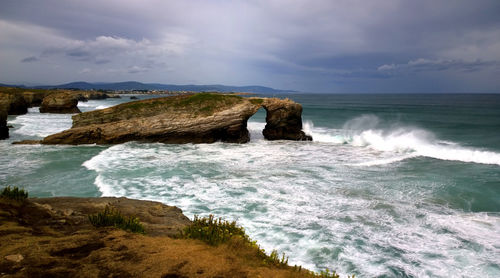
{"points": [[218, 231], [14, 193], [112, 217]]}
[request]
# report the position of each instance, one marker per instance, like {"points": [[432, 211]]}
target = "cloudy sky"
{"points": [[339, 46]]}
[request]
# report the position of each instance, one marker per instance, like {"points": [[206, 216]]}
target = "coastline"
{"points": [[52, 237]]}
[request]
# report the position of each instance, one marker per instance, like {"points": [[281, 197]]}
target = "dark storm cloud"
{"points": [[311, 45]]}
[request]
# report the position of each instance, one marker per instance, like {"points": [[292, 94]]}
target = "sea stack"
{"points": [[283, 120]]}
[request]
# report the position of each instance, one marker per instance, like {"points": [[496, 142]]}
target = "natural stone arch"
{"points": [[197, 118]]}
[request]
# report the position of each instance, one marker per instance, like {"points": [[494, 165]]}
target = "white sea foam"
{"points": [[407, 142], [306, 199], [39, 124], [95, 104]]}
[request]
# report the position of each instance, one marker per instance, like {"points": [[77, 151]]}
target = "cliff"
{"points": [[53, 237], [197, 118]]}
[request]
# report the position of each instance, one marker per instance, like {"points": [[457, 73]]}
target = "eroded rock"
{"points": [[197, 118], [34, 99], [283, 120], [60, 102], [13, 103]]}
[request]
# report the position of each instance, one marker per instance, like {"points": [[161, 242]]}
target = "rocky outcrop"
{"points": [[201, 118], [197, 118], [34, 99], [157, 218], [53, 238], [13, 103], [60, 102], [4, 130], [93, 95], [283, 120]]}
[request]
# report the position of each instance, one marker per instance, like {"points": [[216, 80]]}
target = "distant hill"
{"points": [[133, 85], [8, 85]]}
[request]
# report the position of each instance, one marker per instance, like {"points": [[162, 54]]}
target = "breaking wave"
{"points": [[406, 142]]}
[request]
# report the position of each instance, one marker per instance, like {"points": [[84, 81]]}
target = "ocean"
{"points": [[392, 185]]}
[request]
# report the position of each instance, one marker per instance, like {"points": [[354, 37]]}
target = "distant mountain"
{"points": [[133, 85], [7, 85]]}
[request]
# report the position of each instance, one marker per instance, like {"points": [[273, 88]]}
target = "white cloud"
{"points": [[387, 67]]}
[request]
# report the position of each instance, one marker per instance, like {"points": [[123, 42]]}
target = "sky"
{"points": [[336, 46]]}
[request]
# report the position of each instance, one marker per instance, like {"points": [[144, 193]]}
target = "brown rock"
{"points": [[27, 142], [13, 103], [60, 102], [157, 218], [197, 118], [202, 118], [34, 99], [283, 120], [14, 258]]}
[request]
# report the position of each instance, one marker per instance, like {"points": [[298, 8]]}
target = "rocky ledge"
{"points": [[197, 118], [53, 237]]}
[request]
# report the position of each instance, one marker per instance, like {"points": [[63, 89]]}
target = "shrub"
{"points": [[274, 259], [112, 217], [213, 231], [14, 194]]}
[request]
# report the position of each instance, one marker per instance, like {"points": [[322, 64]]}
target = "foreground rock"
{"points": [[198, 118], [53, 238], [60, 102], [4, 130]]}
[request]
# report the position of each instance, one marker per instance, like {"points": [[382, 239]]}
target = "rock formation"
{"points": [[4, 130], [283, 120], [197, 118], [34, 99], [60, 102], [13, 103], [92, 95]]}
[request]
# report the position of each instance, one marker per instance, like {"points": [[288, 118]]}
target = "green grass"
{"points": [[256, 101], [111, 217], [14, 193], [18, 90], [200, 103]]}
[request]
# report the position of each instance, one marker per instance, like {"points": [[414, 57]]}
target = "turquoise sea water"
{"points": [[392, 186]]}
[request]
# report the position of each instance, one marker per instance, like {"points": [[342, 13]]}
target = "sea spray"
{"points": [[406, 142]]}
